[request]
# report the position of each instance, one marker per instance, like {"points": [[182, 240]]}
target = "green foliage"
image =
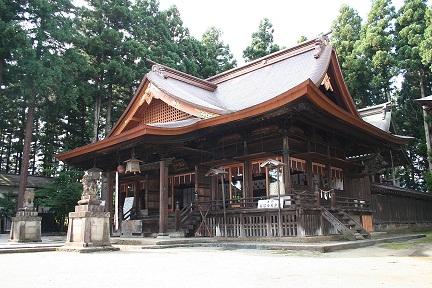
{"points": [[217, 57], [301, 39], [428, 180], [262, 42], [426, 43], [110, 49], [409, 34], [345, 36], [8, 204], [408, 120], [79, 67], [61, 195], [410, 28], [375, 50]]}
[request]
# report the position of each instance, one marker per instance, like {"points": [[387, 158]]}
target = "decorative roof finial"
{"points": [[158, 69], [319, 45]]}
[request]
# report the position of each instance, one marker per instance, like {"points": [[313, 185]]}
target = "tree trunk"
{"points": [[2, 146], [108, 112], [33, 168], [426, 124], [18, 162], [26, 154], [96, 118], [8, 154], [2, 65]]}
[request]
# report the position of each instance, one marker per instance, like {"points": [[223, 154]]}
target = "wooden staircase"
{"points": [[345, 224], [189, 220]]}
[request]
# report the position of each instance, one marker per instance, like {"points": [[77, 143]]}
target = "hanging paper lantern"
{"points": [[120, 169]]}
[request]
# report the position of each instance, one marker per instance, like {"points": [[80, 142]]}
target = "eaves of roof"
{"points": [[307, 89]]}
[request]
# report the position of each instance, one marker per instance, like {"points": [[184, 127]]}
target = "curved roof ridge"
{"points": [[168, 72], [272, 58], [324, 49]]}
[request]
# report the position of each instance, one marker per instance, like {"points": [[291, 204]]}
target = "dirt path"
{"points": [[207, 267]]}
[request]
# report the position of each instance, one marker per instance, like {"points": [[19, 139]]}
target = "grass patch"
{"points": [[427, 239], [398, 246], [411, 243]]}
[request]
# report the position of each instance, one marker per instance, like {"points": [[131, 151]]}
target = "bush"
{"points": [[8, 204], [61, 195], [428, 181]]}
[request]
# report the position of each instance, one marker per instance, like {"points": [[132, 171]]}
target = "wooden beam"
{"points": [[154, 165]]}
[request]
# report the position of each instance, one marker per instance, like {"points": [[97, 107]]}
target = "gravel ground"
{"points": [[212, 267]]}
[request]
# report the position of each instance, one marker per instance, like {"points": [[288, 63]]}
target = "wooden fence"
{"points": [[264, 223], [252, 223], [394, 205]]}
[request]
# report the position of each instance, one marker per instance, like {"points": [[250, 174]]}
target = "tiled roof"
{"points": [[378, 115], [253, 83], [12, 180], [427, 101]]}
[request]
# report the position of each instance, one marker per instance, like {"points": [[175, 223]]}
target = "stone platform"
{"points": [[26, 226], [88, 230]]}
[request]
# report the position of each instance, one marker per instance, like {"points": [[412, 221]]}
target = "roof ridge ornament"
{"points": [[320, 44], [159, 69]]}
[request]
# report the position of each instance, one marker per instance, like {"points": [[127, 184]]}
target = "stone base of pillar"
{"points": [[26, 226], [89, 229], [163, 236]]}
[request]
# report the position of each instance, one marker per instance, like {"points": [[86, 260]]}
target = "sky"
{"points": [[239, 19]]}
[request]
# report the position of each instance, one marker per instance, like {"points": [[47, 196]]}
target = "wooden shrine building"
{"points": [[291, 106]]}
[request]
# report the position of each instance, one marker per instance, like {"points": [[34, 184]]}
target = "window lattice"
{"points": [[160, 112]]}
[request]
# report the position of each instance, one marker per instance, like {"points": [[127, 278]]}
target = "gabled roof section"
{"points": [[150, 100], [263, 79], [339, 85], [425, 101], [309, 70], [247, 86], [378, 115]]}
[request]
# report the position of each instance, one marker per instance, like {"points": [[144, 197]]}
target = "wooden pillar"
{"points": [[287, 168], [328, 167], [309, 170], [213, 187], [117, 198], [146, 188], [109, 200], [163, 199], [137, 205], [309, 177], [247, 179], [247, 172]]}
